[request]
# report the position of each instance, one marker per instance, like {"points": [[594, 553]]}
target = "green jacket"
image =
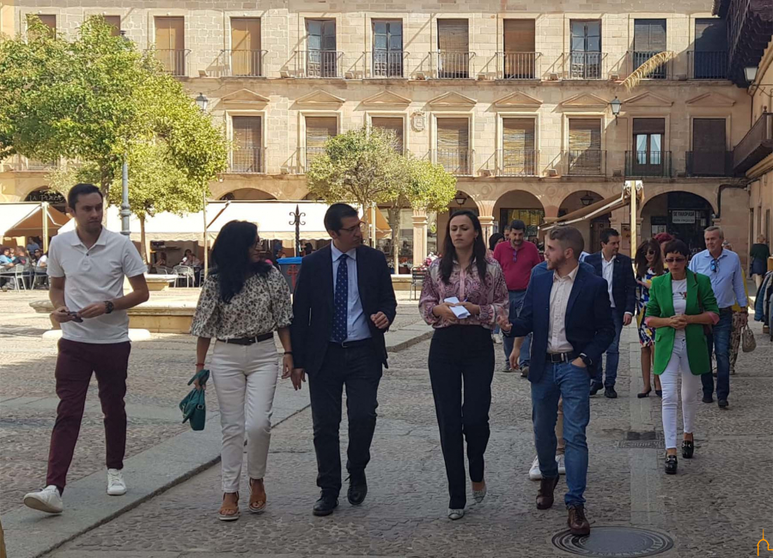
{"points": [[700, 298]]}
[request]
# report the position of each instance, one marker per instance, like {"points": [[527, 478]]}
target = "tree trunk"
{"points": [[143, 246], [394, 223]]}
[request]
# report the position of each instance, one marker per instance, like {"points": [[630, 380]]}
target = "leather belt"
{"points": [[351, 344], [728, 310], [248, 340], [556, 358]]}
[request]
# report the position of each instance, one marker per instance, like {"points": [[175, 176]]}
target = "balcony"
{"points": [[241, 63], [586, 162], [656, 164], [174, 61], [709, 163], [449, 64], [517, 162], [455, 161], [319, 63], [24, 164], [639, 57], [707, 65], [248, 160], [311, 153], [385, 64], [518, 65], [755, 145], [584, 65]]}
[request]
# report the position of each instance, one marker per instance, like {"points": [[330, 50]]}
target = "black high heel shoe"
{"points": [[671, 464], [644, 394], [659, 392], [688, 449]]}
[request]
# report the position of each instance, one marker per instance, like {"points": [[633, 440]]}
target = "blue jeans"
{"points": [[613, 356], [719, 344], [516, 303], [570, 383]]}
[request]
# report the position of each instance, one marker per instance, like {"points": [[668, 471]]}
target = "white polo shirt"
{"points": [[94, 275]]}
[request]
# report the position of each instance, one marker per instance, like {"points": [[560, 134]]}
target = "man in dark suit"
{"points": [[617, 269], [344, 303], [568, 313]]}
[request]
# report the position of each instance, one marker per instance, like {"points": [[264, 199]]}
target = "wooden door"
{"points": [[170, 44], [519, 56], [245, 46]]}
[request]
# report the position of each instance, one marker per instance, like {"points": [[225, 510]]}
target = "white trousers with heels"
{"points": [[691, 385]]}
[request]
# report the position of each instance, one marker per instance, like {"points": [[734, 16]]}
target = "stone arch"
{"points": [[44, 193], [520, 204], [247, 194], [681, 213], [591, 228]]}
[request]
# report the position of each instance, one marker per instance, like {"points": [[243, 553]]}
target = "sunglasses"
{"points": [[714, 265], [675, 260], [650, 252]]}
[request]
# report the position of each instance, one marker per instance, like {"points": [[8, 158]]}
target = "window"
{"points": [[392, 123], [47, 20], [170, 44], [453, 145], [115, 24], [709, 147], [648, 157], [245, 46], [453, 49], [247, 155], [518, 154], [321, 57], [649, 39], [710, 54], [585, 56], [585, 155], [387, 48], [318, 130], [519, 57]]}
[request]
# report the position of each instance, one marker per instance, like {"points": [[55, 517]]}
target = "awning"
{"points": [[26, 219], [383, 230], [593, 210]]}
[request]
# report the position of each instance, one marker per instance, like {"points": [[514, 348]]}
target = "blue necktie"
{"points": [[341, 300]]}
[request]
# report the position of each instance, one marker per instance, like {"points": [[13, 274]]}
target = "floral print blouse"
{"points": [[491, 295], [262, 306]]}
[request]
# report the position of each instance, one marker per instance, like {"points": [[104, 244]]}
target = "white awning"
{"points": [[22, 219]]}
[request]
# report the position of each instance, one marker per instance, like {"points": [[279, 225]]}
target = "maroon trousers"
{"points": [[74, 366]]}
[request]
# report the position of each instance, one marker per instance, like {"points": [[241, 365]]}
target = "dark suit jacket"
{"points": [[623, 281], [589, 325], [313, 304]]}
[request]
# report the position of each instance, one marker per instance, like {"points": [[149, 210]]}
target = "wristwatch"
{"points": [[109, 306], [585, 359]]}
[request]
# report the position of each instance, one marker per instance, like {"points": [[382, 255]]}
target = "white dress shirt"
{"points": [[356, 321], [608, 272], [559, 299]]}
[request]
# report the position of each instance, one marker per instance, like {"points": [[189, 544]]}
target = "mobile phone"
{"points": [[75, 317]]}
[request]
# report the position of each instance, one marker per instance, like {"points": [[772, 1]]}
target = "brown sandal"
{"points": [[257, 498], [229, 512]]}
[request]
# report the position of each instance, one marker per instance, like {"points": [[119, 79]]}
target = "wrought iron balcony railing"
{"points": [[518, 65], [584, 65], [174, 61], [319, 63], [755, 145], [707, 65], [517, 162], [639, 57], [450, 64], [455, 161], [248, 160], [586, 162], [385, 63], [648, 164], [709, 163], [242, 63]]}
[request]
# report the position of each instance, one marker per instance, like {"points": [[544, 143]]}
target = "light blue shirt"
{"points": [[356, 321], [727, 280], [5, 260]]}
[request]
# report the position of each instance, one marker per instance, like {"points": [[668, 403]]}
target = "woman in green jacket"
{"points": [[681, 304]]}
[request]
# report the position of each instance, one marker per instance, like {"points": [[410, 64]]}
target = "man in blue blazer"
{"points": [[343, 304], [568, 313], [617, 270]]}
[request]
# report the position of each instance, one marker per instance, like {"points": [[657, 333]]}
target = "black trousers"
{"points": [[462, 356], [359, 370]]}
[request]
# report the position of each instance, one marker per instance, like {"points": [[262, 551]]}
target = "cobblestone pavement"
{"points": [[158, 372], [717, 505]]}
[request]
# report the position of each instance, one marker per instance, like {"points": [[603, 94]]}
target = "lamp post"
{"points": [[297, 215], [202, 102], [126, 212]]}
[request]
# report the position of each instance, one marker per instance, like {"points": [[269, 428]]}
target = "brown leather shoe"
{"points": [[545, 494], [578, 523]]}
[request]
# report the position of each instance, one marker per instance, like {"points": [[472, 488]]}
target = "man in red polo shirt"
{"points": [[517, 258]]}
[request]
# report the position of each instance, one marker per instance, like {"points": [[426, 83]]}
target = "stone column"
{"points": [[419, 236], [486, 217]]}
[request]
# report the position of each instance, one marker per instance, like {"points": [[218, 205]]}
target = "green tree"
{"points": [[97, 100]]}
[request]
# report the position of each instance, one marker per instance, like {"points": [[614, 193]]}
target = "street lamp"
{"points": [[615, 104], [587, 199], [750, 73], [202, 101], [126, 212], [460, 198]]}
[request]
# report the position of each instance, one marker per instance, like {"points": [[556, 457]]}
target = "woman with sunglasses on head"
{"points": [[681, 304], [461, 353], [243, 301], [649, 264]]}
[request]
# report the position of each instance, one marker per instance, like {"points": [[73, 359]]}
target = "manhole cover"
{"points": [[615, 541]]}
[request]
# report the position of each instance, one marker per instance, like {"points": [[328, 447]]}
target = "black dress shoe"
{"points": [[671, 464], [722, 403], [708, 399], [325, 505], [358, 489], [688, 449], [659, 392], [610, 393], [594, 388]]}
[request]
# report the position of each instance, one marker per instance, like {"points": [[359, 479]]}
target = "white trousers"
{"points": [[691, 385], [245, 379]]}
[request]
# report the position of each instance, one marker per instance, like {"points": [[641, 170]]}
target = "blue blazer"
{"points": [[623, 281], [589, 325]]}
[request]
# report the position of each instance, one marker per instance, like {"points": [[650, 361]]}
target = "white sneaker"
{"points": [[561, 464], [536, 474], [47, 500], [115, 483]]}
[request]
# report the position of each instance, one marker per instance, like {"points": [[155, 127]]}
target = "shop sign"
{"points": [[681, 217]]}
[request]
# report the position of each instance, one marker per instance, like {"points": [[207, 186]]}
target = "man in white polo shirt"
{"points": [[87, 268]]}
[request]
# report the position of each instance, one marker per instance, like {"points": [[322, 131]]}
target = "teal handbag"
{"points": [[194, 406]]}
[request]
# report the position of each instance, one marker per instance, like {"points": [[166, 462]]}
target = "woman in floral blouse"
{"points": [[649, 264], [243, 301], [462, 352]]}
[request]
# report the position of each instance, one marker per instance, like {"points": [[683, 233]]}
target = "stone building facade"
{"points": [[515, 102]]}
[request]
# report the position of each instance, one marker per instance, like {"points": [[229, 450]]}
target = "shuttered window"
{"points": [[519, 57], [115, 24], [710, 35], [318, 130], [47, 20], [453, 49], [170, 44], [585, 155], [245, 46], [649, 35], [248, 143], [708, 146], [649, 126], [394, 124], [518, 154], [453, 150]]}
